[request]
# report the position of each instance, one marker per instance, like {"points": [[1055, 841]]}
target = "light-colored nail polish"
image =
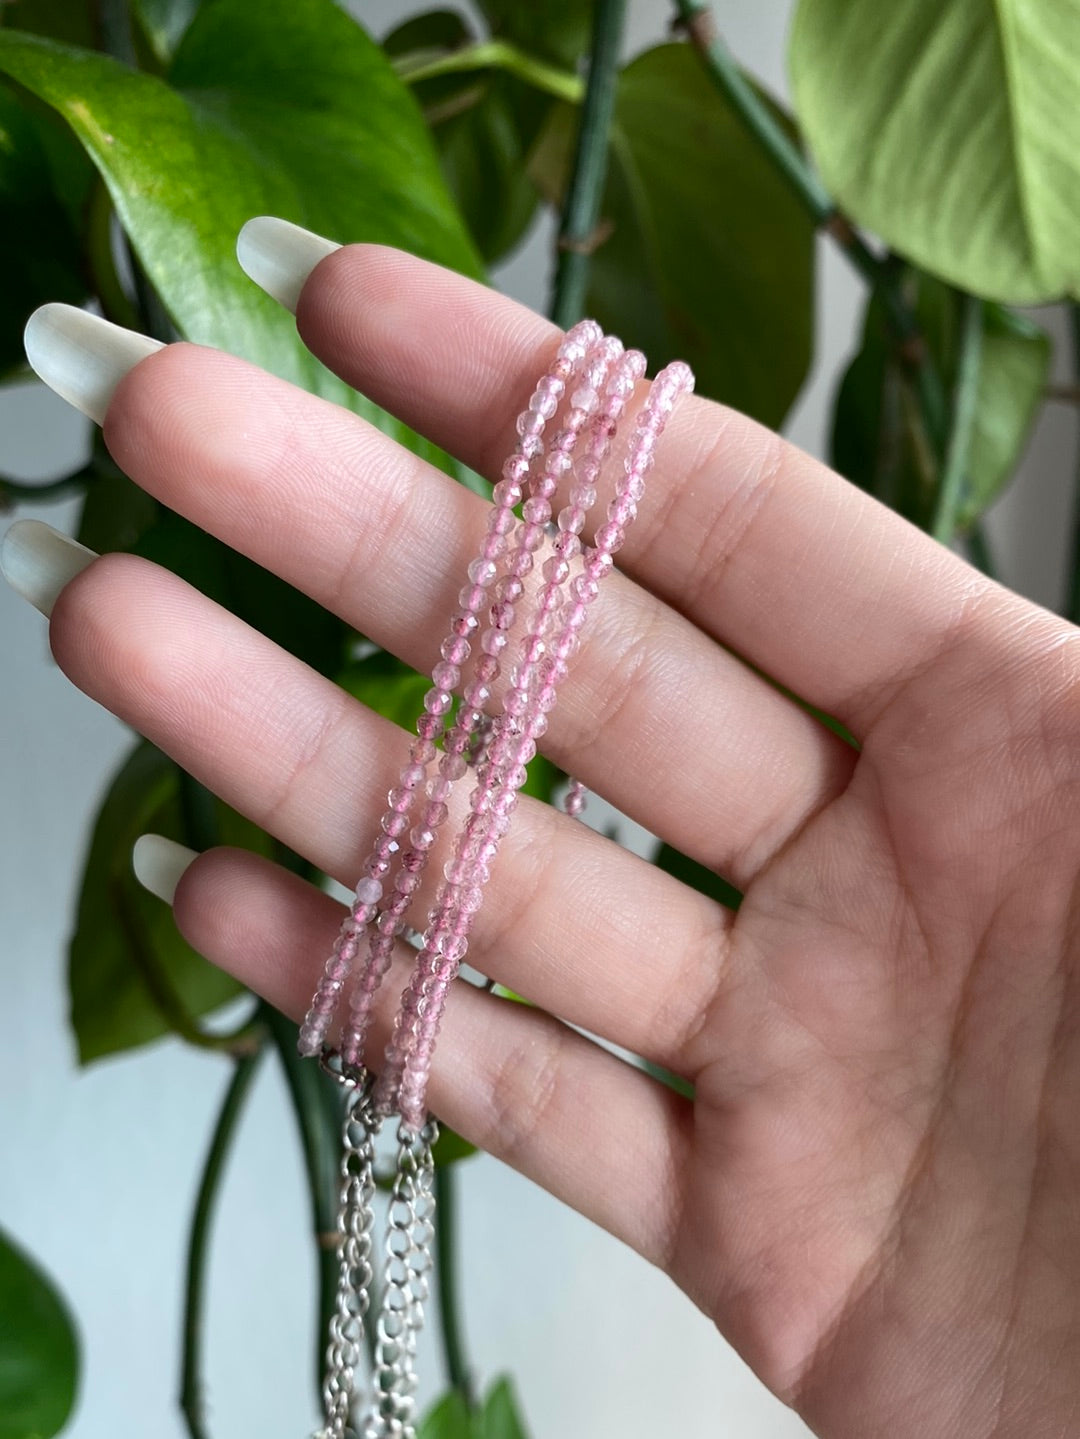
{"points": [[279, 256], [37, 562], [81, 356], [159, 864]]}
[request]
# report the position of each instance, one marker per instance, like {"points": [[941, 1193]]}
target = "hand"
{"points": [[874, 1193]]}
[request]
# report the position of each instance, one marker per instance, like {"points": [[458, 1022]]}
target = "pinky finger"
{"points": [[594, 1131]]}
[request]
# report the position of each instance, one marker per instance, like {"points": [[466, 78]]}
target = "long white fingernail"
{"points": [[159, 863], [81, 356], [279, 256], [37, 562]]}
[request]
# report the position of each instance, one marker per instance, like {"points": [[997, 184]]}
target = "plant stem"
{"points": [[492, 55], [457, 1368], [191, 1384], [13, 492], [1074, 559], [957, 457], [766, 128], [582, 210], [318, 1122]]}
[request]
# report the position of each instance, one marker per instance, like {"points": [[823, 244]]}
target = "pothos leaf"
{"points": [[39, 1353]]}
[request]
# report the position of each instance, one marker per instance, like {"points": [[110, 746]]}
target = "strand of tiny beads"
{"points": [[526, 535], [594, 378], [369, 889]]}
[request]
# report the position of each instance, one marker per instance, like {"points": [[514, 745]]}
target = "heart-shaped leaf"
{"points": [[132, 978], [284, 108], [500, 1417], [448, 1419], [951, 128], [39, 1354], [709, 255], [877, 438], [40, 254], [552, 29]]}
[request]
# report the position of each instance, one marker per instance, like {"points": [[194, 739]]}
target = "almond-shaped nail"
{"points": [[37, 562], [81, 356], [159, 864], [279, 256]]}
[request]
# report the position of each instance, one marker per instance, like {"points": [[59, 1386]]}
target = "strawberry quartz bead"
{"points": [[506, 767], [569, 360]]}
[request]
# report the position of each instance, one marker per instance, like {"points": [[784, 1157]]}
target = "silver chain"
{"points": [[356, 1216], [410, 1234]]}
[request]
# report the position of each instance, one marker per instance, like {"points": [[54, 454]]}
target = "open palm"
{"points": [[875, 1190]]}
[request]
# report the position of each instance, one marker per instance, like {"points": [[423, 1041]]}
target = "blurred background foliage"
{"points": [[936, 141]]}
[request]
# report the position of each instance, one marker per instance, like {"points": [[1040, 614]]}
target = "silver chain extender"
{"points": [[355, 1220], [410, 1233]]}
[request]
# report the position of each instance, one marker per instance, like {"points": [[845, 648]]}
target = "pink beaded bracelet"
{"points": [[594, 377]]}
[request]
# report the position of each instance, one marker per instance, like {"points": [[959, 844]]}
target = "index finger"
{"points": [[764, 548]]}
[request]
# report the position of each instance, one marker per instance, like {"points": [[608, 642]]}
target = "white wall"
{"points": [[97, 1169]]}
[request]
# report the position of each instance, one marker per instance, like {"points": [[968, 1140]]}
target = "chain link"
{"points": [[410, 1232], [356, 1217]]}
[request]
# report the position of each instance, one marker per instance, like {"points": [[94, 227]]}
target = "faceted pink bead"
{"points": [[455, 649], [501, 522], [494, 642], [422, 751], [438, 701], [434, 814], [609, 537], [529, 423], [530, 446], [477, 693], [509, 588], [493, 546], [394, 823], [556, 570], [473, 597], [536, 512], [502, 616], [521, 564], [421, 838], [487, 667], [446, 675], [439, 788], [515, 470], [507, 494], [482, 572], [429, 726], [566, 544], [464, 622]]}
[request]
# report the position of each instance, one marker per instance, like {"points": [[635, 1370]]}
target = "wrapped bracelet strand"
{"points": [[593, 378]]}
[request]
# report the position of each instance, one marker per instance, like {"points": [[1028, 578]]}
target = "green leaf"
{"points": [[71, 21], [40, 255], [501, 1417], [132, 978], [450, 1148], [387, 686], [484, 124], [284, 108], [877, 439], [395, 691], [116, 513], [449, 1419], [710, 255], [556, 30], [950, 127], [697, 876], [164, 23], [483, 149], [39, 1354]]}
